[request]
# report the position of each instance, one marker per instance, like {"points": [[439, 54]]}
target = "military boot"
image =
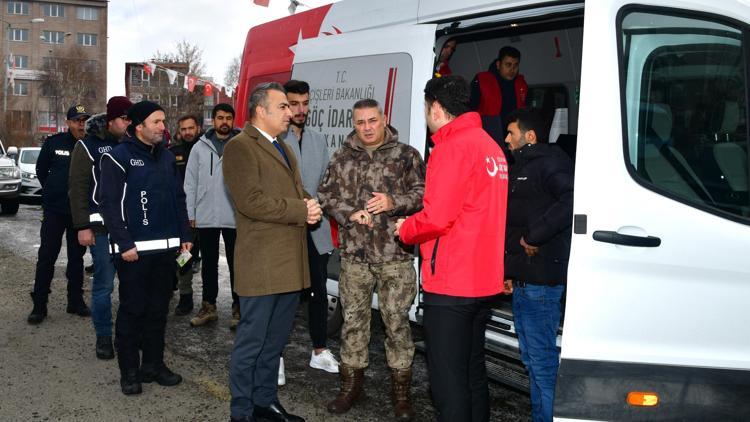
{"points": [[352, 381], [39, 312], [206, 314], [400, 392]]}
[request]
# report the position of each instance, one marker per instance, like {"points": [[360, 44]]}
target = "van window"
{"points": [[685, 96]]}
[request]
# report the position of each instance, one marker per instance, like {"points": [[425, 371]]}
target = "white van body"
{"points": [[30, 186], [655, 94]]}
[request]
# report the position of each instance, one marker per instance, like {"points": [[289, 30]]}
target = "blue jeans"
{"points": [[536, 314], [102, 286]]}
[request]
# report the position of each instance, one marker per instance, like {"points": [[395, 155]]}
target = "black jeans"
{"points": [[51, 232], [145, 290], [454, 336], [317, 306], [209, 248]]}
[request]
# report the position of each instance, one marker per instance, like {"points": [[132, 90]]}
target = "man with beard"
{"points": [[211, 211], [188, 132], [312, 146], [143, 207], [52, 168], [103, 132]]}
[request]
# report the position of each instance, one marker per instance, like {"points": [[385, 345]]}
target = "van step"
{"points": [[500, 370]]}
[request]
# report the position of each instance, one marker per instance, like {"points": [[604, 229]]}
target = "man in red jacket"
{"points": [[461, 232], [498, 91]]}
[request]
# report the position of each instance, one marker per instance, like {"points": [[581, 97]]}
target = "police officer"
{"points": [[103, 132], [143, 206], [52, 169]]}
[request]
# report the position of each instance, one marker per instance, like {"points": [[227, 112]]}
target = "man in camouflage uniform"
{"points": [[371, 181]]}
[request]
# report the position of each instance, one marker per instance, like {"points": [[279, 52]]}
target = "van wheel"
{"points": [[335, 317], [9, 206]]}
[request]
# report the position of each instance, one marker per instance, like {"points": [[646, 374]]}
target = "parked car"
{"points": [[10, 182], [30, 186]]}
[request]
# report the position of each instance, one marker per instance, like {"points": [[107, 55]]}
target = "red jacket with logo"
{"points": [[461, 228]]}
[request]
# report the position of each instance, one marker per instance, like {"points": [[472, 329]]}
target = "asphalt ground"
{"points": [[50, 373]]}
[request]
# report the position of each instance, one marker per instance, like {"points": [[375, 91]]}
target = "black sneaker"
{"points": [[78, 309], [39, 313], [104, 349], [129, 382], [161, 374]]}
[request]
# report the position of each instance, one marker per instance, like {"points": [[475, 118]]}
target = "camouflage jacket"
{"points": [[352, 176]]}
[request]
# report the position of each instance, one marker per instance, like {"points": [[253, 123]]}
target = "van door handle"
{"points": [[607, 236]]}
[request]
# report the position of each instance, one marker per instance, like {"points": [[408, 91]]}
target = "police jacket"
{"points": [[52, 168], [540, 209], [141, 198], [85, 173]]}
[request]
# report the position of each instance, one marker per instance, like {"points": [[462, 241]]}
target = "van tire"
{"points": [[9, 206], [335, 317]]}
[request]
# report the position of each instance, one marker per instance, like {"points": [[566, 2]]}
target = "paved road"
{"points": [[49, 372]]}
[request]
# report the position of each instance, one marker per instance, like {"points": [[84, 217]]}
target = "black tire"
{"points": [[9, 206], [335, 317]]}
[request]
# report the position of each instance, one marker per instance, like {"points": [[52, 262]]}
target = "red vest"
{"points": [[491, 101]]}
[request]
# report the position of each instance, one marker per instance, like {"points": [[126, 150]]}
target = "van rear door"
{"points": [[390, 65], [659, 275]]}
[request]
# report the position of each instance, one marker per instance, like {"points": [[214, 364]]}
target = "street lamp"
{"points": [[6, 57]]}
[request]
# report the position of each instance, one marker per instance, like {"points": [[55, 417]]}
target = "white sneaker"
{"points": [[282, 377], [324, 361]]}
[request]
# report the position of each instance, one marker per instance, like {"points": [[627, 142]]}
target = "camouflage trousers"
{"points": [[396, 284]]}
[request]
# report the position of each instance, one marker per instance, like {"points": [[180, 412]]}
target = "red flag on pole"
{"points": [[208, 90], [263, 3]]}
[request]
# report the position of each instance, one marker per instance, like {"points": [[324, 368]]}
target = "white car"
{"points": [[10, 183], [30, 186]]}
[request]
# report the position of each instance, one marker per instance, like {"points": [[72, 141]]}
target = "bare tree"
{"points": [[232, 75], [184, 52]]}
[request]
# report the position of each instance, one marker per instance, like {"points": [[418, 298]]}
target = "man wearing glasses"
{"points": [[103, 132]]}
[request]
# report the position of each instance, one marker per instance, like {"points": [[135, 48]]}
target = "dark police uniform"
{"points": [[142, 203], [52, 169]]}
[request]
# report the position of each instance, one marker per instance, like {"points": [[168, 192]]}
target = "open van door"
{"points": [[389, 65], [657, 313]]}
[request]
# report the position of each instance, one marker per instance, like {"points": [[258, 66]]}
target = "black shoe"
{"points": [[89, 269], [185, 305], [104, 349], [79, 309], [275, 412], [129, 382], [39, 312], [161, 374]]}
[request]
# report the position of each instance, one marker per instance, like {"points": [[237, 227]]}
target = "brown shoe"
{"points": [[400, 391], [352, 381], [206, 314], [235, 317]]}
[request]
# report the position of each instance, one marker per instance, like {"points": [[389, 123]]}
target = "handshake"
{"points": [[314, 212]]}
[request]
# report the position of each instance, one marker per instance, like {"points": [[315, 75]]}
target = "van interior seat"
{"points": [[664, 165], [730, 156]]}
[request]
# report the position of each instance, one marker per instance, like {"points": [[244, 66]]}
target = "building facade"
{"points": [[55, 54]]}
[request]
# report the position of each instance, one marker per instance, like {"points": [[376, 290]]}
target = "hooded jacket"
{"points": [[207, 198], [84, 179], [352, 176], [540, 209], [142, 201], [461, 229]]}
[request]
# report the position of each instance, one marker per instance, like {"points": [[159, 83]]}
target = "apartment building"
{"points": [[56, 55]]}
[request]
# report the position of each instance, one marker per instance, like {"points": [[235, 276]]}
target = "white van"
{"points": [[653, 98]]}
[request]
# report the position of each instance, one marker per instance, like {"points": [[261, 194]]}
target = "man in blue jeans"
{"points": [[540, 212], [103, 132]]}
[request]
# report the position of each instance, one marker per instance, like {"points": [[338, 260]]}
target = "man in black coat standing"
{"points": [[540, 212], [52, 168]]}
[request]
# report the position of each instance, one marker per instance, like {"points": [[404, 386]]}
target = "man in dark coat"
{"points": [[540, 212]]}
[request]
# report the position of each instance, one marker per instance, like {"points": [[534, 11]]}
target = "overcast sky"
{"points": [[138, 28]]}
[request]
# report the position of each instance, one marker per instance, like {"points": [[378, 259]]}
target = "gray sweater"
{"points": [[313, 161], [208, 201]]}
